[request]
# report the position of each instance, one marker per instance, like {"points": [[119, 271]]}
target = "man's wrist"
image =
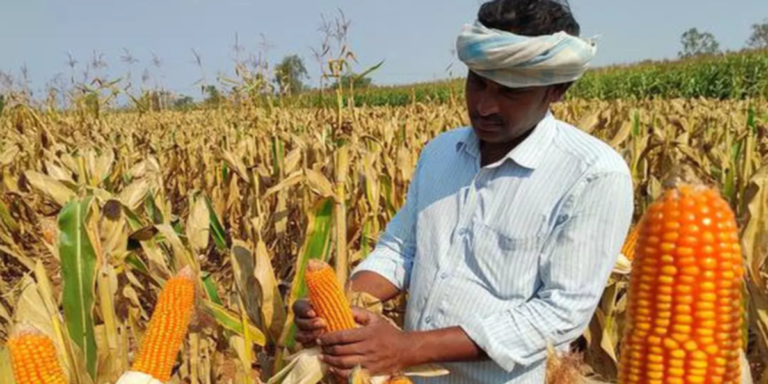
{"points": [[440, 346], [417, 350]]}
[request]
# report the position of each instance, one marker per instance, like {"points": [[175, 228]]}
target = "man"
{"points": [[510, 228]]}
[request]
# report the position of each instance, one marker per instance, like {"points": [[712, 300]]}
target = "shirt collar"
{"points": [[529, 153]]}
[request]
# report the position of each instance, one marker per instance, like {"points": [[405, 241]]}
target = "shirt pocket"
{"points": [[507, 264]]}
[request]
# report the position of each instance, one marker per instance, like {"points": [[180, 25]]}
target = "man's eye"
{"points": [[476, 82], [511, 93]]}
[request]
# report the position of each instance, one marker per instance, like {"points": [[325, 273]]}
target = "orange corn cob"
{"points": [[628, 250], [327, 297], [399, 380], [685, 315], [34, 359], [167, 328]]}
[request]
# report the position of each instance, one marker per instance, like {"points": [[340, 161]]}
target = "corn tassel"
{"points": [[327, 297], [34, 359], [167, 328], [684, 315]]}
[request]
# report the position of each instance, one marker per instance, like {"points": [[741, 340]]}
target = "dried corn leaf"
{"points": [[50, 187]]}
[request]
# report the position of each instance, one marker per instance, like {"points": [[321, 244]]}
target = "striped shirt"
{"points": [[516, 253]]}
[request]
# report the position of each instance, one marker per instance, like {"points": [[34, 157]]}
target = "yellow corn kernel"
{"points": [[327, 296], [34, 359], [167, 327], [628, 249]]}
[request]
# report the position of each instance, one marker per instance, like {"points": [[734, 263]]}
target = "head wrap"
{"points": [[520, 61]]}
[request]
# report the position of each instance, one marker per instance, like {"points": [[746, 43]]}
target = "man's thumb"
{"points": [[362, 316]]}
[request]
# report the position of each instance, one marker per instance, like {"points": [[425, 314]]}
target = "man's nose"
{"points": [[487, 105]]}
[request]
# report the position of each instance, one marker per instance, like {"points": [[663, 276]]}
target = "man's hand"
{"points": [[308, 325], [378, 346]]}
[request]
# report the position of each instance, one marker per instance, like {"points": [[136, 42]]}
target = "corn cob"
{"points": [[34, 359], [628, 249], [327, 297], [685, 315], [167, 328]]}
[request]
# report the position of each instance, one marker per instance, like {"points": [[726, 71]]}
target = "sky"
{"points": [[415, 38]]}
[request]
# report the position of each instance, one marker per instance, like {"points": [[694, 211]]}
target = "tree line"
{"points": [[695, 42]]}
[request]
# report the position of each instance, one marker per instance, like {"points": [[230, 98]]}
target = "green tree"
{"points": [[698, 43], [359, 83], [183, 102], [213, 96], [759, 37], [289, 75]]}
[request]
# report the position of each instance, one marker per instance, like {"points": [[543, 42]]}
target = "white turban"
{"points": [[520, 61]]}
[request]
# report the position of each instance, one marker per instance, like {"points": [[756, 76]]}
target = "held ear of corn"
{"points": [[327, 296], [328, 300], [684, 309], [167, 327], [34, 359]]}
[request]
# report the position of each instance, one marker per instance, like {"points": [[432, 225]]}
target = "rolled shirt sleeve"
{"points": [[573, 277]]}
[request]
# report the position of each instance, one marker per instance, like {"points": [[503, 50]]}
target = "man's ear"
{"points": [[557, 92]]}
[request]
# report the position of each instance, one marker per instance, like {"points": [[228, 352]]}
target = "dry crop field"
{"points": [[98, 210]]}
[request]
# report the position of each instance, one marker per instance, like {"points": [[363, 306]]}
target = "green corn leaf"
{"points": [[78, 272], [316, 246], [153, 211], [136, 263], [210, 289], [217, 230], [232, 322], [369, 71], [6, 219]]}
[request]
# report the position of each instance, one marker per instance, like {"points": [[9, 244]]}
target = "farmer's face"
{"points": [[500, 114]]}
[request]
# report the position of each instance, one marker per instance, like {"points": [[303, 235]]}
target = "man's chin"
{"points": [[489, 135]]}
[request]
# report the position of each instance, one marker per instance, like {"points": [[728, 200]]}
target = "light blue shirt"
{"points": [[516, 253]]}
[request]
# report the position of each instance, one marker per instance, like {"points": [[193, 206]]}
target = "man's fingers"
{"points": [[362, 316], [308, 338], [343, 337], [346, 349], [342, 362], [343, 373], [310, 324], [302, 308]]}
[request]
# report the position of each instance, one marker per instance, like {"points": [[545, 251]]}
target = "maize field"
{"points": [[99, 210], [733, 75]]}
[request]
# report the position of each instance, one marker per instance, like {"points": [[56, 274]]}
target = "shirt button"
{"points": [[444, 275], [428, 320], [463, 232]]}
